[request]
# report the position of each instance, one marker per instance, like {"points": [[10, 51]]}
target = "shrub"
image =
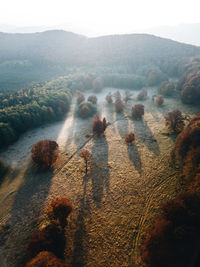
{"points": [[86, 155], [155, 77], [130, 137], [137, 111], [92, 99], [59, 209], [109, 98], [195, 185], [191, 164], [177, 230], [190, 93], [166, 89], [188, 138], [79, 97], [156, 251], [159, 100], [51, 238], [142, 95], [174, 121], [99, 126], [45, 259], [127, 97], [119, 105], [45, 153], [3, 168], [86, 109]]}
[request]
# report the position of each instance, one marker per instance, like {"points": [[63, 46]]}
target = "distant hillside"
{"points": [[185, 33], [37, 56]]}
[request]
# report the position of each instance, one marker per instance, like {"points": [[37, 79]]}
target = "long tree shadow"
{"points": [[122, 124], [26, 207], [145, 135], [80, 251], [35, 181], [134, 156], [100, 174]]}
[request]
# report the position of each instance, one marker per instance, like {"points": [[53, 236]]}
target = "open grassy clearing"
{"points": [[114, 205]]}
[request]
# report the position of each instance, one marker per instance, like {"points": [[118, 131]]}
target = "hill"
{"points": [[39, 56]]}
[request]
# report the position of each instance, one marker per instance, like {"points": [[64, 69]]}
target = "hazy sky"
{"points": [[97, 17]]}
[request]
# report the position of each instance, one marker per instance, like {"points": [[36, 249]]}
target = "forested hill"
{"points": [[37, 56]]}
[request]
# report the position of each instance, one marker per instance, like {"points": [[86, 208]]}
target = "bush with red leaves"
{"points": [[127, 97], [191, 164], [195, 185], [109, 98], [130, 137], [166, 89], [86, 109], [51, 238], [45, 153], [79, 97], [175, 232], [175, 121], [190, 93], [59, 209], [159, 100], [99, 126], [119, 105], [188, 138], [155, 77], [45, 259], [92, 99], [137, 111], [86, 155], [142, 95]]}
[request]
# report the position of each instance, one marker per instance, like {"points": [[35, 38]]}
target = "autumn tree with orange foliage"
{"points": [[137, 111], [188, 139], [45, 153], [59, 209], [191, 164], [92, 99], [119, 105], [130, 137], [176, 230], [86, 155], [79, 97], [109, 98], [50, 238], [190, 93], [175, 121], [159, 100], [45, 259], [99, 126]]}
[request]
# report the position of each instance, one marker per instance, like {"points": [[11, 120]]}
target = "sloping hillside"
{"points": [[39, 56]]}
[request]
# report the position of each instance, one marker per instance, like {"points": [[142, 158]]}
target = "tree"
{"points": [[45, 259], [45, 153], [59, 209], [175, 121], [86, 155], [99, 126], [159, 100], [130, 137], [137, 111]]}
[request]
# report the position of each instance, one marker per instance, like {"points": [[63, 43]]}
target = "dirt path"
{"points": [[113, 206]]}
